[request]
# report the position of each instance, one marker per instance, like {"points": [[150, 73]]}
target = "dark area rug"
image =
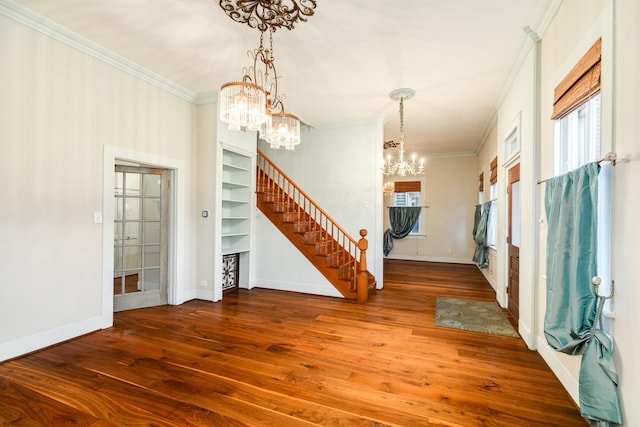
{"points": [[476, 316]]}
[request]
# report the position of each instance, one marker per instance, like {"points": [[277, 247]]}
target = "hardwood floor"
{"points": [[272, 358]]}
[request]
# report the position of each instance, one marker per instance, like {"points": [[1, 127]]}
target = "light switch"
{"points": [[97, 217]]}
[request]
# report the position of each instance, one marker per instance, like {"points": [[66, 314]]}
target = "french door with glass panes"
{"points": [[140, 237]]}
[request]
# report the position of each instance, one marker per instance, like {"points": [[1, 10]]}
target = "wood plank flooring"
{"points": [[272, 358]]}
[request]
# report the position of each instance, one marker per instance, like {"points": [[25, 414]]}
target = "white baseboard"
{"points": [[526, 335], [552, 358], [22, 346], [430, 259], [304, 288], [203, 294]]}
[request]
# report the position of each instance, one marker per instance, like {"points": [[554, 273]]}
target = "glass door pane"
{"points": [[140, 236]]}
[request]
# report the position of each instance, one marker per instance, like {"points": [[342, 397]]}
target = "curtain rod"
{"points": [[407, 207], [609, 157]]}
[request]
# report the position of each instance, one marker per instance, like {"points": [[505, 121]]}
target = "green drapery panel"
{"points": [[570, 323], [402, 221], [481, 254]]}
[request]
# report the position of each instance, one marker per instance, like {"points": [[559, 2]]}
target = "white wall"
{"points": [[575, 27], [487, 153], [573, 30], [337, 168], [517, 112], [450, 189], [59, 108], [206, 167], [626, 231]]}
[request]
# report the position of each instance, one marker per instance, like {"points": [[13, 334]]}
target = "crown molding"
{"points": [[450, 155], [206, 98], [37, 22]]}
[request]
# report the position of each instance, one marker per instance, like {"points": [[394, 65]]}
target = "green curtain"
{"points": [[570, 323], [402, 221], [476, 220], [481, 254]]}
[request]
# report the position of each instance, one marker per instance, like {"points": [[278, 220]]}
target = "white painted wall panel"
{"points": [[58, 108]]}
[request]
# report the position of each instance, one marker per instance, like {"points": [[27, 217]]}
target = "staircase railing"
{"points": [[350, 252]]}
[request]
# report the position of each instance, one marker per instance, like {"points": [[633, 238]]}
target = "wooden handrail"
{"points": [[301, 204], [301, 191]]}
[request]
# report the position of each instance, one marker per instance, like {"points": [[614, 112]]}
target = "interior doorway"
{"points": [[140, 241], [513, 241]]}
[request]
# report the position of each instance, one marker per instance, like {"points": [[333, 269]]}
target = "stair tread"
{"points": [[335, 263]]}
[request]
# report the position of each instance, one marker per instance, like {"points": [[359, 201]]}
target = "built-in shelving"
{"points": [[236, 202]]}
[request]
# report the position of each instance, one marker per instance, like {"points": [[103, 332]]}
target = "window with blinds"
{"points": [[407, 193]]}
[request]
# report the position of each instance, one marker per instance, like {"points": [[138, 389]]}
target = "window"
{"points": [[481, 188], [576, 111], [492, 222], [577, 135], [407, 193]]}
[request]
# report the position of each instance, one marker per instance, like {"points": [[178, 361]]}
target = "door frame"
{"points": [[177, 207], [147, 298], [508, 228]]}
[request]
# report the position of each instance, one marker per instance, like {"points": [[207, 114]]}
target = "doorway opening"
{"points": [[140, 240], [513, 241]]}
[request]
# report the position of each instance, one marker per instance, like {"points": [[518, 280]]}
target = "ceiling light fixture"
{"points": [[402, 167], [254, 103]]}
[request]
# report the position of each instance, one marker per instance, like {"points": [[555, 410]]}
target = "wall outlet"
{"points": [[203, 283], [449, 251]]}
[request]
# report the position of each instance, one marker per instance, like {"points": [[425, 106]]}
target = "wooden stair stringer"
{"points": [[319, 261]]}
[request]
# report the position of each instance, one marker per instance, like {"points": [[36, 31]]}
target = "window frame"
{"points": [[419, 228]]}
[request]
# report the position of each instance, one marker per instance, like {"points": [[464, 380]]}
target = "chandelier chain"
{"points": [[402, 167]]}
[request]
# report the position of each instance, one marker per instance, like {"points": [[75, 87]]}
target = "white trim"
{"points": [[206, 98], [33, 20], [177, 194], [304, 288], [450, 155], [526, 335], [20, 346], [431, 259], [514, 128], [569, 382]]}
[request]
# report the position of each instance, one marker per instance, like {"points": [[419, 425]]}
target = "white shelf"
{"points": [[234, 167], [236, 202], [229, 184]]}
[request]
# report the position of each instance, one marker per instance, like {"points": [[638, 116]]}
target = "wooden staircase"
{"points": [[338, 256]]}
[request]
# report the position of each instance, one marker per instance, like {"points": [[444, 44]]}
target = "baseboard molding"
{"points": [[526, 335], [569, 382], [204, 294], [22, 346], [430, 259], [304, 288]]}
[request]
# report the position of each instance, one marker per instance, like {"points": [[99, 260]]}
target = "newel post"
{"points": [[362, 284]]}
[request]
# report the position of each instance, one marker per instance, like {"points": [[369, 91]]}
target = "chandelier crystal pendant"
{"points": [[254, 103], [243, 105], [402, 167]]}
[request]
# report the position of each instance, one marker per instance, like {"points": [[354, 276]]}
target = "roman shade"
{"points": [[406, 186], [582, 82], [493, 178]]}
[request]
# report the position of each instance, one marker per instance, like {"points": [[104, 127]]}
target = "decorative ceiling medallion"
{"points": [[269, 14]]}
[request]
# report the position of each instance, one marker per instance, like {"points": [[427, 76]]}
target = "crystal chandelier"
{"points": [[253, 103], [402, 167]]}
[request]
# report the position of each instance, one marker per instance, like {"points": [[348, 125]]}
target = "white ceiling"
{"points": [[339, 66]]}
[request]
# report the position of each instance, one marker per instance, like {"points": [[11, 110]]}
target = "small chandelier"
{"points": [[402, 167], [388, 188], [253, 103]]}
